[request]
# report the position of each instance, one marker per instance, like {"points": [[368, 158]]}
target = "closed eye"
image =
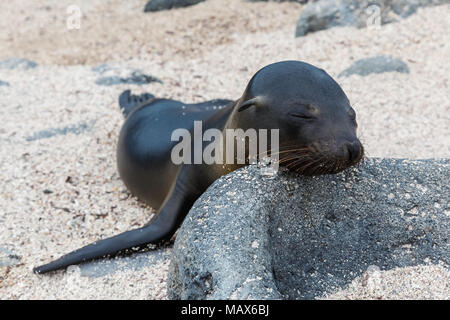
{"points": [[352, 113], [302, 116]]}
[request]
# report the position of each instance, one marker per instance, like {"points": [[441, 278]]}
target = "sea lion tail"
{"points": [[110, 246], [128, 102]]}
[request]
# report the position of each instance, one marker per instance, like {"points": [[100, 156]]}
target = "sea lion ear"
{"points": [[252, 102]]}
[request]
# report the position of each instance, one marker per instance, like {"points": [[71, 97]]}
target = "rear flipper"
{"points": [[128, 102], [129, 239], [162, 228]]}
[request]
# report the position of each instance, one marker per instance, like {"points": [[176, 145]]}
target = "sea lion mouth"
{"points": [[312, 161]]}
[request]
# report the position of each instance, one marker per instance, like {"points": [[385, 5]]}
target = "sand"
{"points": [[63, 192]]}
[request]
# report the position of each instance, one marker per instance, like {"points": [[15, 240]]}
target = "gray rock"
{"points": [[4, 83], [157, 5], [17, 63], [8, 258], [378, 64], [136, 262], [45, 134], [404, 8], [136, 77], [325, 14], [296, 237]]}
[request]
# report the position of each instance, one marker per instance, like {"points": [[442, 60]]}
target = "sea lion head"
{"points": [[317, 125]]}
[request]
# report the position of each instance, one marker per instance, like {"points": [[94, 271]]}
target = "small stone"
{"points": [[378, 64], [158, 5], [49, 133], [8, 258], [136, 77], [17, 63]]}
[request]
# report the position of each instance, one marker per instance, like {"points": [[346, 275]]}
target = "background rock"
{"points": [[17, 63], [45, 134], [157, 5], [325, 14], [378, 64], [136, 77], [251, 236]]}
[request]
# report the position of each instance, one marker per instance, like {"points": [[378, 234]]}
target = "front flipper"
{"points": [[162, 228]]}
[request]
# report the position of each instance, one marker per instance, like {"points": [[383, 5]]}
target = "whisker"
{"points": [[297, 156], [295, 163], [282, 151], [302, 169]]}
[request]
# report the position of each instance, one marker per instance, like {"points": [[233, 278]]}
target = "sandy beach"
{"points": [[60, 187]]}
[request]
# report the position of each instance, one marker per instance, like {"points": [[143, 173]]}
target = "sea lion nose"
{"points": [[352, 151]]}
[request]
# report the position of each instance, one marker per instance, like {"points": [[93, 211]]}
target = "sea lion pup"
{"points": [[317, 135]]}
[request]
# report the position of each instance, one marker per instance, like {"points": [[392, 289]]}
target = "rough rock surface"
{"points": [[378, 64], [289, 236], [157, 5], [324, 14]]}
